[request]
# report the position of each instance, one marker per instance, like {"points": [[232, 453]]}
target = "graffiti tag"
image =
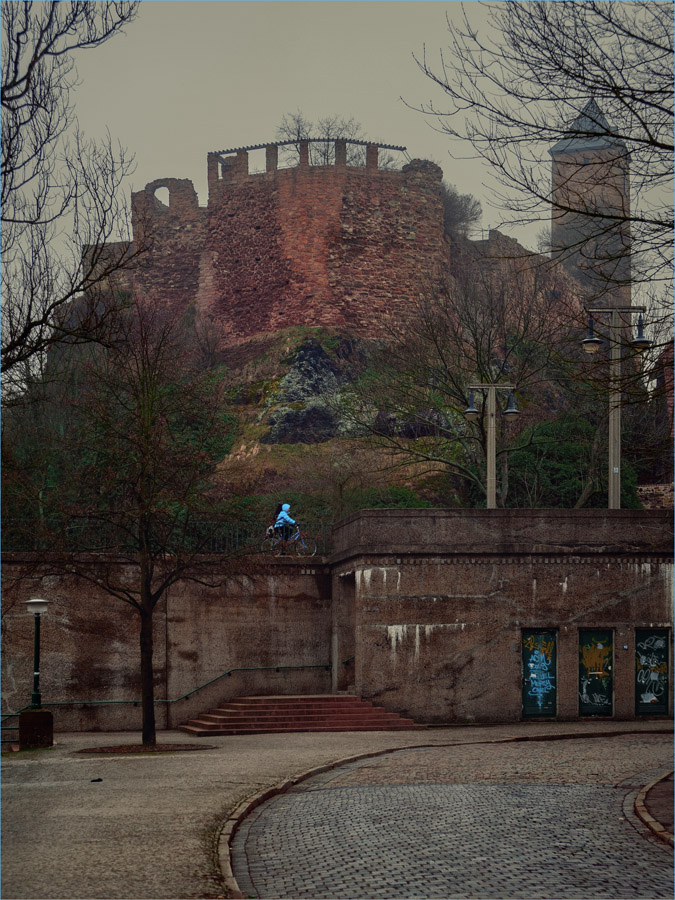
{"points": [[541, 679], [652, 670]]}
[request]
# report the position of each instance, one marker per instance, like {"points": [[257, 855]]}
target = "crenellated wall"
{"points": [[336, 245]]}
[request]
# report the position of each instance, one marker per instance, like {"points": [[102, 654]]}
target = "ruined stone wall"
{"points": [[311, 245]]}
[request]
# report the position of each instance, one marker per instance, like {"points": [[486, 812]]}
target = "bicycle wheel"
{"points": [[305, 546], [268, 544]]}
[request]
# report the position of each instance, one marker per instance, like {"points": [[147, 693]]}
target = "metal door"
{"points": [[596, 682], [651, 671], [539, 673]]}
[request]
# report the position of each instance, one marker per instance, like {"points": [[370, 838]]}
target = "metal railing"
{"points": [[5, 728], [95, 536], [326, 666]]}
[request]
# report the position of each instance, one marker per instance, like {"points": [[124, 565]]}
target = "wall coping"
{"points": [[483, 533]]}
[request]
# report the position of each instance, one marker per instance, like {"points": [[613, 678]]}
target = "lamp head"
{"points": [[640, 343], [471, 414], [591, 343], [511, 410], [37, 606]]}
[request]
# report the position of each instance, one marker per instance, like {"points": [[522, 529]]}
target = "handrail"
{"points": [[177, 699], [11, 715]]}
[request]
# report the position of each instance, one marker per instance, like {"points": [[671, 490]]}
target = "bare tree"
{"points": [[60, 190], [495, 321], [461, 212], [295, 127], [128, 478], [524, 87]]}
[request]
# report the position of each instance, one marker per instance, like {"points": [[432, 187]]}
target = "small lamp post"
{"points": [[36, 726], [591, 345], [37, 607], [472, 415]]}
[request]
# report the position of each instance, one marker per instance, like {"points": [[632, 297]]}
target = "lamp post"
{"points": [[472, 415], [591, 345], [37, 607], [36, 726]]}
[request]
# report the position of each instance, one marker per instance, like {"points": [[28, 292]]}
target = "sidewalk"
{"points": [[148, 826]]}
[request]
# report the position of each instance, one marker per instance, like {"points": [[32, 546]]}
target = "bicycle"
{"points": [[299, 542]]}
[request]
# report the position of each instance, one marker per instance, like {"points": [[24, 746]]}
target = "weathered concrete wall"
{"points": [[422, 610], [442, 597], [281, 616], [90, 650]]}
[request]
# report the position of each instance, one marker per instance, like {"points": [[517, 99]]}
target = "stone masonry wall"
{"points": [[311, 245]]}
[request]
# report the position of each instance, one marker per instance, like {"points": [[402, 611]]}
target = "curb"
{"points": [[247, 806], [239, 813], [641, 809]]}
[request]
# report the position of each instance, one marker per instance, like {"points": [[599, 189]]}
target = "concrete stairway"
{"points": [[316, 712]]}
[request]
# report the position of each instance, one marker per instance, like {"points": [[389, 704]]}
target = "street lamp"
{"points": [[472, 415], [37, 607], [591, 345]]}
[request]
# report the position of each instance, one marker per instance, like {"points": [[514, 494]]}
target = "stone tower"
{"points": [[349, 247], [590, 232]]}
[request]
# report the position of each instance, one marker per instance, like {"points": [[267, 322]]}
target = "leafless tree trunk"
{"points": [[60, 190]]}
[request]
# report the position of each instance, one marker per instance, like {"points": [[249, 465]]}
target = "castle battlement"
{"points": [[333, 246]]}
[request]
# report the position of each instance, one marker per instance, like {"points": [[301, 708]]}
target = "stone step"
{"points": [[308, 717], [286, 699], [258, 722], [299, 710], [214, 732], [281, 714]]}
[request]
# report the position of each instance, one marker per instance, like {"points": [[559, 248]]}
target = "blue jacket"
{"points": [[283, 518]]}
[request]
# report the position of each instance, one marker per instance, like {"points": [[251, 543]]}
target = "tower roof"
{"points": [[589, 131]]}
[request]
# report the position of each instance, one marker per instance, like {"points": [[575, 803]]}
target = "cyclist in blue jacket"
{"points": [[283, 522]]}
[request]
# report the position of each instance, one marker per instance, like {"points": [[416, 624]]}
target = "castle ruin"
{"points": [[334, 246]]}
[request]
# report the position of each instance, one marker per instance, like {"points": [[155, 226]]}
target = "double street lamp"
{"points": [[473, 415], [619, 318]]}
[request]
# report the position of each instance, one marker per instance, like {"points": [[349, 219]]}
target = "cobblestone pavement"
{"points": [[526, 820]]}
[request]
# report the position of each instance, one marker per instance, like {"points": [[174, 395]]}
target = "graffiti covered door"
{"points": [[651, 671], [596, 682], [539, 673]]}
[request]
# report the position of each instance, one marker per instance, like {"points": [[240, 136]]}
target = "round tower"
{"points": [[340, 246]]}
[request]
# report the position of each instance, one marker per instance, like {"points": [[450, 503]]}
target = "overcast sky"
{"points": [[189, 77]]}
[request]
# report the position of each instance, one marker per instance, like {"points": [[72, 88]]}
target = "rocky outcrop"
{"points": [[312, 424], [305, 416]]}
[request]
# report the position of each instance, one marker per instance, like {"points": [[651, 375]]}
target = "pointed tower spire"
{"points": [[590, 193], [590, 130]]}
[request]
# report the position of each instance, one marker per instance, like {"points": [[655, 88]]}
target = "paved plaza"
{"points": [[534, 820], [131, 826]]}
